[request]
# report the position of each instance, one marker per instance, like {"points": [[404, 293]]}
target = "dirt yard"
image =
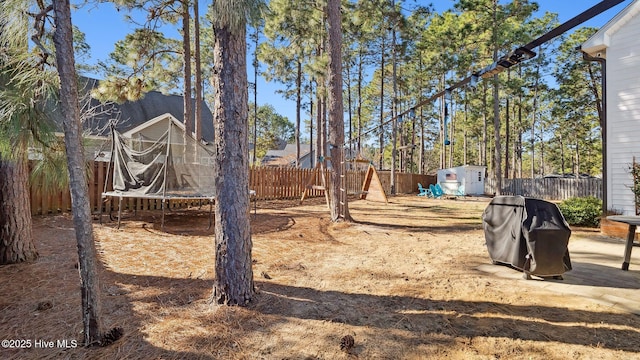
{"points": [[402, 280]]}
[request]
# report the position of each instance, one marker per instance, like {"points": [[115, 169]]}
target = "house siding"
{"points": [[623, 114]]}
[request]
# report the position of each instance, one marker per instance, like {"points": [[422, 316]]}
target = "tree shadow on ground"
{"points": [[453, 317], [590, 274], [53, 280], [192, 222], [431, 228], [420, 321]]}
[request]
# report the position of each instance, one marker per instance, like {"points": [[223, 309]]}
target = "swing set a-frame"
{"points": [[371, 188]]}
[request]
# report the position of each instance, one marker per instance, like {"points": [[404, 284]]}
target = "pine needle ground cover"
{"points": [[403, 282]]}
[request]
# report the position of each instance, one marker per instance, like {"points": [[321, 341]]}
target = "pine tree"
{"points": [[234, 275], [339, 204], [69, 102], [19, 112]]}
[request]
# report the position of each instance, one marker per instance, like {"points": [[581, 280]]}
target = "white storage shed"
{"points": [[463, 180]]}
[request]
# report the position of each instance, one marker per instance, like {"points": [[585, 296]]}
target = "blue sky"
{"points": [[103, 26]]}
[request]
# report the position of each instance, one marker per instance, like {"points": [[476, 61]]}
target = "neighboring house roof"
{"points": [[597, 44], [286, 156], [132, 114]]}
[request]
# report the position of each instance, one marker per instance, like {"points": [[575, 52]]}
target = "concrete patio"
{"points": [[596, 274]]}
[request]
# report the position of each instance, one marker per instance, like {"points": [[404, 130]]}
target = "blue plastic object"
{"points": [[424, 191], [436, 190]]}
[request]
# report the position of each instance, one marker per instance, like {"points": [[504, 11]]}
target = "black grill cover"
{"points": [[528, 234]]}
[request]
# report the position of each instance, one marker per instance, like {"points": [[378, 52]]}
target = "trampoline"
{"points": [[172, 167]]}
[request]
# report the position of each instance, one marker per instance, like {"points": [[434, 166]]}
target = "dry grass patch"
{"points": [[402, 281]]}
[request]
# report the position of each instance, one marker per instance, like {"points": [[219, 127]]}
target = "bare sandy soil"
{"points": [[402, 280]]}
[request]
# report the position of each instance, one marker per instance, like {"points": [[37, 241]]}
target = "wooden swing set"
{"points": [[371, 188]]}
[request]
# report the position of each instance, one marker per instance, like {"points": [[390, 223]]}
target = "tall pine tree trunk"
{"points": [[359, 110], [349, 110], [256, 65], [562, 162], [421, 166], [534, 112], [234, 275], [443, 125], [422, 144], [321, 143], [497, 155], [452, 129], [186, 50], [339, 204], [485, 126], [542, 164], [497, 166], [507, 125], [381, 128], [69, 103], [298, 109], [394, 108], [466, 122], [319, 132], [198, 61], [16, 237], [312, 159]]}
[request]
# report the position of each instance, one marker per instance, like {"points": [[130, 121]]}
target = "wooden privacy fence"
{"points": [[43, 202], [405, 183], [270, 183], [289, 183], [547, 188]]}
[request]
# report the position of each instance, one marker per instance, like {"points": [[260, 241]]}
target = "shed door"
{"points": [[474, 185]]}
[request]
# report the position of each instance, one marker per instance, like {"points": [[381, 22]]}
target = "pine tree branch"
{"points": [[39, 25]]}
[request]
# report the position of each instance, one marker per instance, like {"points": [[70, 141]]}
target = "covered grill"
{"points": [[528, 234]]}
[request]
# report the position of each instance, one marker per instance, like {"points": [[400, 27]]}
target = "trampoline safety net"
{"points": [[173, 166]]}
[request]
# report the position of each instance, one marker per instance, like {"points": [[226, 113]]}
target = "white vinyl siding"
{"points": [[623, 113]]}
